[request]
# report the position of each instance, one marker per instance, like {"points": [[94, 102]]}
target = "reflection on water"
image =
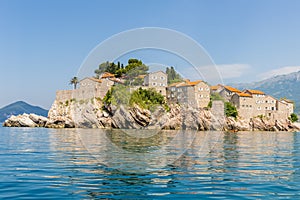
{"points": [[92, 163]]}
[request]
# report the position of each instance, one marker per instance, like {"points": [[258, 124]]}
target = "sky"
{"points": [[44, 43]]}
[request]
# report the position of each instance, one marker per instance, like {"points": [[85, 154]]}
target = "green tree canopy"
{"points": [[173, 76], [133, 69]]}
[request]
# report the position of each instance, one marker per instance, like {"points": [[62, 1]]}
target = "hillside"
{"points": [[20, 107], [287, 86]]}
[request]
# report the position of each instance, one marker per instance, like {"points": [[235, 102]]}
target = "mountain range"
{"points": [[280, 86], [20, 107]]}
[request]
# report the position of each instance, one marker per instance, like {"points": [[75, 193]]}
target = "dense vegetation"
{"points": [[118, 94], [293, 117], [145, 98], [173, 76], [230, 110]]}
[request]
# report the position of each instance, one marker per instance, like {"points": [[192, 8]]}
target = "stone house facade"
{"points": [[253, 103], [157, 80], [89, 87], [226, 92], [194, 94]]}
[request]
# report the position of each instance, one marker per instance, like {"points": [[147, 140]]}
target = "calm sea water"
{"points": [[93, 164]]}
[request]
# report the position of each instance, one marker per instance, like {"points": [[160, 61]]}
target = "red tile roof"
{"points": [[242, 94], [232, 89], [255, 92], [107, 75]]}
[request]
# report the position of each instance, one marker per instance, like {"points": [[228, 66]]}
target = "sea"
{"points": [[39, 163]]}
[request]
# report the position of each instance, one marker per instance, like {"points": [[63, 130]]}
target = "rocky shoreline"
{"points": [[89, 115]]}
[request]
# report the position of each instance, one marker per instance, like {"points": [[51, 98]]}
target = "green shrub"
{"points": [[230, 110], [293, 117], [147, 98]]}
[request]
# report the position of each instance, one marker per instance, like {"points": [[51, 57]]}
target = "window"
{"points": [[258, 108], [273, 108], [266, 108], [162, 78], [172, 89], [154, 77], [154, 84], [207, 89]]}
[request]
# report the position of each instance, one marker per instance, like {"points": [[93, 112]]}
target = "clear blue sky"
{"points": [[43, 43]]}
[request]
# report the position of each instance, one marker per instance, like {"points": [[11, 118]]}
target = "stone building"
{"points": [[157, 80], [194, 94], [254, 103], [289, 104], [89, 87], [227, 92], [244, 103]]}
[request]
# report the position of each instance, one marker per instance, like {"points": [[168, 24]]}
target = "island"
{"points": [[132, 97]]}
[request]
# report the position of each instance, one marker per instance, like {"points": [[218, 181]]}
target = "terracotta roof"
{"points": [[186, 83], [214, 87], [232, 89], [175, 84], [255, 91], [242, 94], [107, 75], [193, 83]]}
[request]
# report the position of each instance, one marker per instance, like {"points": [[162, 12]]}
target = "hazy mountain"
{"points": [[278, 86], [20, 107]]}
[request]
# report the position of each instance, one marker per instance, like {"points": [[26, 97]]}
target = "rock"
{"points": [[141, 116], [20, 121], [123, 119], [89, 114], [39, 120]]}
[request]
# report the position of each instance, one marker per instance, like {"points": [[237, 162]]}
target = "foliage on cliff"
{"points": [[118, 94], [230, 110], [293, 117], [145, 98]]}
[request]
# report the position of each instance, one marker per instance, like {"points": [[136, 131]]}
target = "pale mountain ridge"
{"points": [[280, 86]]}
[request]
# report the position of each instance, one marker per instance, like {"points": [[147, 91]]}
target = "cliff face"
{"points": [[89, 114]]}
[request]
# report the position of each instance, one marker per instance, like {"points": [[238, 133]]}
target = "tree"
{"points": [[74, 81], [102, 68], [293, 117], [230, 110], [135, 68], [173, 76]]}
